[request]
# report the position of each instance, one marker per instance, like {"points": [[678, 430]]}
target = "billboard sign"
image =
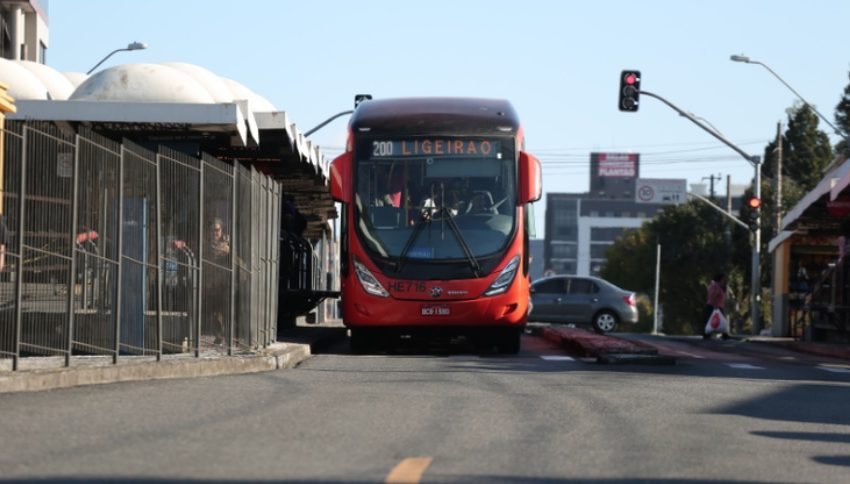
{"points": [[617, 165]]}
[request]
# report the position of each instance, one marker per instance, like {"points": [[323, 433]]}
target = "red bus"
{"points": [[435, 220]]}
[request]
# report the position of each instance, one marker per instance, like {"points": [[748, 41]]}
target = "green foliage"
{"points": [[697, 242], [842, 120], [805, 150]]}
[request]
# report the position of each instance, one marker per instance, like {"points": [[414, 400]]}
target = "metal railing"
{"points": [[821, 312], [108, 249]]}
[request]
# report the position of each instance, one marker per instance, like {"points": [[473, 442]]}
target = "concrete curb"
{"points": [[278, 356]]}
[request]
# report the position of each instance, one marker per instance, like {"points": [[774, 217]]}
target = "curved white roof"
{"points": [[257, 103], [176, 82], [214, 85], [142, 83], [22, 83], [76, 78], [57, 85]]}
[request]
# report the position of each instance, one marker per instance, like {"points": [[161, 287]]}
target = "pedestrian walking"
{"points": [[715, 301]]}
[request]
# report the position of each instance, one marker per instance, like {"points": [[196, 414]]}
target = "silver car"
{"points": [[582, 300]]}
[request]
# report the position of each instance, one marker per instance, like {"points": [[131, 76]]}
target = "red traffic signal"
{"points": [[629, 91], [754, 202]]}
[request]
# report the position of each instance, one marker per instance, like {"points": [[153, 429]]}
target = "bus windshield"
{"points": [[436, 207]]}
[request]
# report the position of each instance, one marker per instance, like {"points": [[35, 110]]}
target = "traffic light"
{"points": [[753, 212], [629, 90], [359, 98]]}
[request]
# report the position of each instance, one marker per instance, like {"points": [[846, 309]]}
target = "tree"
{"points": [[842, 119], [805, 150], [697, 242]]}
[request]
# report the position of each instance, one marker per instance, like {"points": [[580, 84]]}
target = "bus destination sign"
{"points": [[430, 147]]}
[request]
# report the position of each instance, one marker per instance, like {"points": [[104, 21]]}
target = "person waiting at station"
{"points": [[219, 254]]}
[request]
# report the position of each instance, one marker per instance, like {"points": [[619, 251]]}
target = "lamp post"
{"points": [[130, 46], [755, 161], [747, 60]]}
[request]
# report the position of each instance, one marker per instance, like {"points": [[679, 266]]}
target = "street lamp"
{"points": [[747, 60], [131, 46]]}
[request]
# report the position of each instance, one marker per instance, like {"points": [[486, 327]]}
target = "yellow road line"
{"points": [[409, 471]]}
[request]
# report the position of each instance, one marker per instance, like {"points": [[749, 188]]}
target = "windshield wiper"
{"points": [[473, 262], [410, 241], [445, 214]]}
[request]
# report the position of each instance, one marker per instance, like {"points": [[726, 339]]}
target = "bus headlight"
{"points": [[368, 281], [505, 278]]}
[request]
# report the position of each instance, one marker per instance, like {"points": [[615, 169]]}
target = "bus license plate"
{"points": [[436, 311]]}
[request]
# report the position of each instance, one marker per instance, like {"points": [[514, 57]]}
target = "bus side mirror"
{"points": [[530, 179], [341, 178]]}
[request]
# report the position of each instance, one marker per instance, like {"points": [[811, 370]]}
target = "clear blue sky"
{"points": [[557, 62]]}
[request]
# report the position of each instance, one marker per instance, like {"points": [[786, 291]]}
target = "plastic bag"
{"points": [[717, 323]]}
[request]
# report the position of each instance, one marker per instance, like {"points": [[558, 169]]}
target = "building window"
{"points": [[564, 267], [605, 234], [566, 232], [597, 251], [564, 251], [42, 52]]}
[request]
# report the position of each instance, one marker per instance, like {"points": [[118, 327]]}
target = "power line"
{"points": [[614, 150]]}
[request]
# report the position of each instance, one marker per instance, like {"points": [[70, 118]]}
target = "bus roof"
{"points": [[436, 115]]}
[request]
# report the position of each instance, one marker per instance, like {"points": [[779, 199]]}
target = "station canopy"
{"points": [[824, 209], [186, 107]]}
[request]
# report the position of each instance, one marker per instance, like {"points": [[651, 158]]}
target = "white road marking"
{"points": [[744, 366], [690, 354], [557, 358], [835, 369]]}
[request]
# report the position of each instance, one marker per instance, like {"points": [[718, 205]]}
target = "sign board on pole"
{"points": [[661, 190]]}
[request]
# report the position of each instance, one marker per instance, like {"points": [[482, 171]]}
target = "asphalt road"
{"points": [[725, 411]]}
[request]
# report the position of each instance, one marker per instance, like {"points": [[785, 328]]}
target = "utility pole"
{"points": [[711, 183], [777, 180], [728, 193], [657, 287]]}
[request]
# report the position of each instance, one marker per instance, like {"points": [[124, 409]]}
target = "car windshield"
{"points": [[432, 208]]}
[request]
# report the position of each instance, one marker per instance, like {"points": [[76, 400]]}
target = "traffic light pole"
{"points": [[755, 160], [755, 275]]}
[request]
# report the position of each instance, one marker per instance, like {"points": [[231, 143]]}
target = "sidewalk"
{"points": [[47, 373], [830, 350]]}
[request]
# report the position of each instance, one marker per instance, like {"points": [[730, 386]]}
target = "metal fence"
{"points": [[111, 249]]}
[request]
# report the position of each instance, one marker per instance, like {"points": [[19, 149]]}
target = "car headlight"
{"points": [[504, 279], [368, 281]]}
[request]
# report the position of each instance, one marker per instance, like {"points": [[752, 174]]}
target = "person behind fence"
{"points": [[293, 220], [219, 254], [715, 301]]}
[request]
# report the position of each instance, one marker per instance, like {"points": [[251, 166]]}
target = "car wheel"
{"points": [[605, 322]]}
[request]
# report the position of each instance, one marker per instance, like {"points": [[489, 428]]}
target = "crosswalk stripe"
{"points": [[557, 358], [744, 366]]}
